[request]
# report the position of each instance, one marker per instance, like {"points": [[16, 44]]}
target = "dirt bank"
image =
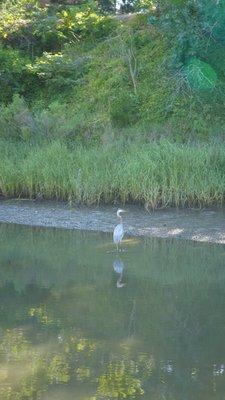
{"points": [[199, 225]]}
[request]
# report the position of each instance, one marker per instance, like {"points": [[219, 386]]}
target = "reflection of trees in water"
{"points": [[161, 334], [27, 371], [120, 380], [67, 359], [47, 352]]}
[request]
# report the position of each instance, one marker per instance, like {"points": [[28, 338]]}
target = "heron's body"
{"points": [[118, 232]]}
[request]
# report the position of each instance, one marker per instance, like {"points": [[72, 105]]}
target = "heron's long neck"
{"points": [[120, 218]]}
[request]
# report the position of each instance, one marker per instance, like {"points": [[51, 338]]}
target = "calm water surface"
{"points": [[79, 323]]}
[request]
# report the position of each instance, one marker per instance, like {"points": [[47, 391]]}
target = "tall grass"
{"points": [[154, 174]]}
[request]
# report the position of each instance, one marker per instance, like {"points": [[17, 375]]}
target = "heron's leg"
{"points": [[117, 247]]}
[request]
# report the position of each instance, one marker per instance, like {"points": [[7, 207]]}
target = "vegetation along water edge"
{"points": [[154, 174]]}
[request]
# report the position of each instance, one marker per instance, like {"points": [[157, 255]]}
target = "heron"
{"points": [[118, 232]]}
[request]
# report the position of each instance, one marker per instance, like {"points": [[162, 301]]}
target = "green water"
{"points": [[72, 328]]}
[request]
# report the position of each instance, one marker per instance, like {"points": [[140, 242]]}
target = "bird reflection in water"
{"points": [[118, 267]]}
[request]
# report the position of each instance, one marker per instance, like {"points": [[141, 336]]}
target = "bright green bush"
{"points": [[200, 75]]}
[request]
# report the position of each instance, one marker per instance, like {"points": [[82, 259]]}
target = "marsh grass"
{"points": [[154, 174]]}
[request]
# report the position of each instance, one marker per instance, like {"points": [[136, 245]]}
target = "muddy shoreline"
{"points": [[199, 225]]}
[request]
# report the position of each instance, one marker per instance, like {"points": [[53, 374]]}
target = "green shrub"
{"points": [[56, 122], [200, 75], [34, 29], [16, 121], [19, 123], [59, 71], [124, 109], [84, 23], [14, 75], [16, 23]]}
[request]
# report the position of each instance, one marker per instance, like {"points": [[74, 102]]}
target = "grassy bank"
{"points": [[154, 174]]}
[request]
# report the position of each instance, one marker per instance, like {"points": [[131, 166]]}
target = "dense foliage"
{"points": [[76, 73], [98, 75]]}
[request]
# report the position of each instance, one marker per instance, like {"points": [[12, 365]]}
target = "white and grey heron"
{"points": [[118, 232]]}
